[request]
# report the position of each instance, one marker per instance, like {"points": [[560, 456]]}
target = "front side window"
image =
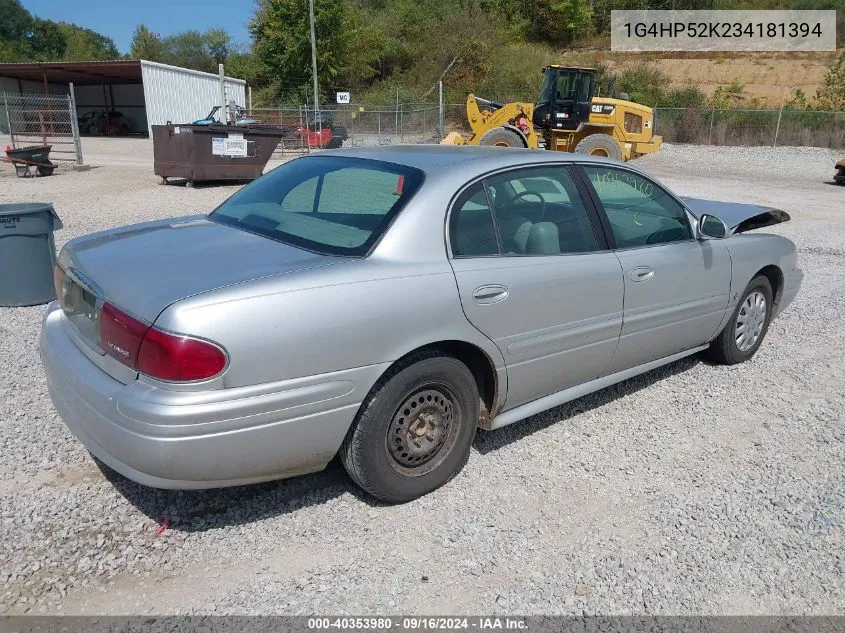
{"points": [[565, 87], [540, 212], [640, 212], [327, 204]]}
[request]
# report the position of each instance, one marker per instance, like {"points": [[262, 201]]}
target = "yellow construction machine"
{"points": [[566, 118]]}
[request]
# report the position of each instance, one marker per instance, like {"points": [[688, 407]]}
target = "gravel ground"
{"points": [[691, 489]]}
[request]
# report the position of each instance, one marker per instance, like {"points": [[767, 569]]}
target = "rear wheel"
{"points": [[338, 136], [599, 145], [46, 170], [744, 333], [501, 137], [414, 431]]}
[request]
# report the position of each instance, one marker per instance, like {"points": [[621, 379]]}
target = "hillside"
{"points": [[766, 78]]}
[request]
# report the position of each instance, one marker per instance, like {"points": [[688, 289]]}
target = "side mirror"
{"points": [[710, 227]]}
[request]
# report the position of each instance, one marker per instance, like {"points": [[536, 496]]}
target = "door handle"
{"points": [[642, 273], [493, 293]]}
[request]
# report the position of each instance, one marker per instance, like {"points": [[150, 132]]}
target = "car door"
{"points": [[535, 275], [676, 287]]}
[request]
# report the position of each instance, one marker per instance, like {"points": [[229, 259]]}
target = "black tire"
{"points": [[46, 170], [599, 145], [724, 349], [502, 137], [388, 452], [338, 136]]}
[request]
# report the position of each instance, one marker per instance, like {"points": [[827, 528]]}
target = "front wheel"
{"points": [[338, 136], [501, 137], [747, 328], [415, 429], [599, 145]]}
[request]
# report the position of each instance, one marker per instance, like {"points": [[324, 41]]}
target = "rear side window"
{"points": [[332, 205], [539, 211], [471, 227]]}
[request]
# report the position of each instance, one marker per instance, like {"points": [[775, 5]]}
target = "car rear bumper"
{"points": [[791, 286], [200, 439]]}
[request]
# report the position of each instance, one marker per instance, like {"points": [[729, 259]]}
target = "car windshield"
{"points": [[328, 204]]}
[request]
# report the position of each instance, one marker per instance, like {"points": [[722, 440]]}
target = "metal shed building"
{"points": [[146, 93]]}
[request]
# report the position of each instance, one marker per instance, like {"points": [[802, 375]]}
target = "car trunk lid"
{"points": [[142, 269]]}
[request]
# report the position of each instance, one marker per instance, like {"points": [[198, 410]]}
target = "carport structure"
{"points": [[145, 93]]}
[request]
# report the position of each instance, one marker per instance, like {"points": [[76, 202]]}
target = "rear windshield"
{"points": [[327, 204]]}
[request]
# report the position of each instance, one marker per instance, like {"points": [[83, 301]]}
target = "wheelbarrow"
{"points": [[33, 156]]}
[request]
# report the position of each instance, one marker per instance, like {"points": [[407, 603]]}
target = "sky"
{"points": [[119, 18]]}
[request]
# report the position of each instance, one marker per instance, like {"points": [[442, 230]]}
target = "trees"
{"points": [[280, 33], [218, 44], [15, 22], [560, 21], [189, 49], [24, 37], [831, 95], [85, 45], [146, 45]]}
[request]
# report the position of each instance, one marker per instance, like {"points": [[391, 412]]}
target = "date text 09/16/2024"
{"points": [[417, 623]]}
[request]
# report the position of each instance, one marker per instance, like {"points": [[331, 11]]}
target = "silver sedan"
{"points": [[383, 303]]}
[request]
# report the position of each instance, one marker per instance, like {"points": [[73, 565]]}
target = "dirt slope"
{"points": [[765, 77]]}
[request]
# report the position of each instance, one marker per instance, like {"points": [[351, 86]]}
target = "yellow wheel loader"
{"points": [[566, 118]]}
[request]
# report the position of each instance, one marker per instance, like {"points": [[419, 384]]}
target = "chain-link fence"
{"points": [[27, 119], [351, 125], [359, 125], [713, 126]]}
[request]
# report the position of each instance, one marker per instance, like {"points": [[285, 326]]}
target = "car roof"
{"points": [[435, 158]]}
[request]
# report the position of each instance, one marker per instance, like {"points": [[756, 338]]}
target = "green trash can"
{"points": [[27, 253]]}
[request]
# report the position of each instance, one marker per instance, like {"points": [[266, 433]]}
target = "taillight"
{"points": [[174, 357], [158, 354], [121, 335], [59, 283]]}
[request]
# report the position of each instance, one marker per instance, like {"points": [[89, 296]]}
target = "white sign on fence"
{"points": [[343, 97]]}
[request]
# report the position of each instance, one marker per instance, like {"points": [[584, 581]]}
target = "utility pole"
{"points": [[314, 59], [223, 118], [440, 118]]}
